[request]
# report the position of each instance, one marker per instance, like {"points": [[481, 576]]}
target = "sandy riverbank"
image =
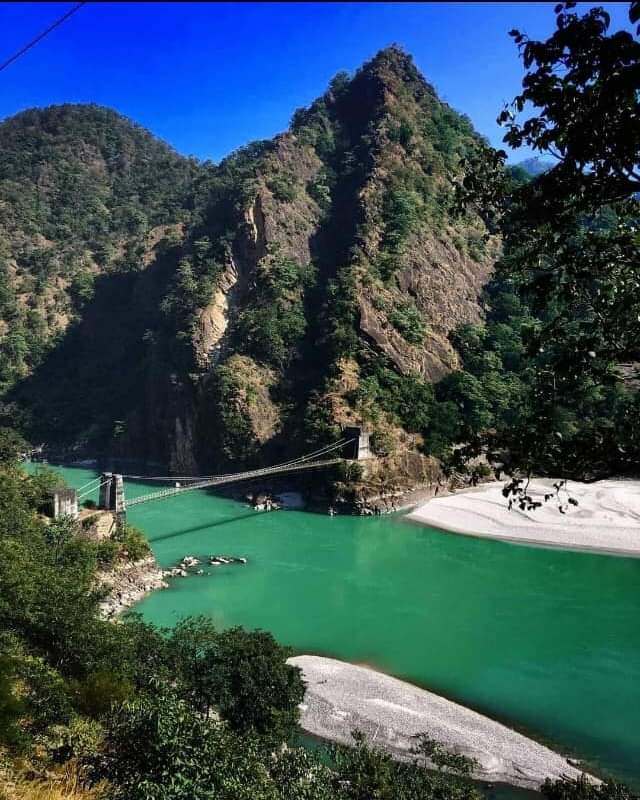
{"points": [[606, 519], [341, 697]]}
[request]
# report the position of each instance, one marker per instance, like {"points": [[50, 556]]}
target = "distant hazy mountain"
{"points": [[534, 166]]}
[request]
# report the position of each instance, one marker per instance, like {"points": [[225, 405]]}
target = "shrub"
{"points": [[320, 190], [476, 246], [381, 443], [133, 542], [349, 471], [101, 690], [274, 322], [401, 212], [402, 133], [406, 319], [231, 670], [11, 445], [107, 552], [82, 288], [283, 188]]}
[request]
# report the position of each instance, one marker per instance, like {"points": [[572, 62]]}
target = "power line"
{"points": [[40, 36]]}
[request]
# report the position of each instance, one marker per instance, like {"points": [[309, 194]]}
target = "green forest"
{"points": [[332, 251]]}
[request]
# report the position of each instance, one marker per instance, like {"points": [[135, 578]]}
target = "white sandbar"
{"points": [[342, 697], [606, 519]]}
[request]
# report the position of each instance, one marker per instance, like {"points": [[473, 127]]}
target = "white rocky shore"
{"points": [[342, 697], [606, 518], [128, 582]]}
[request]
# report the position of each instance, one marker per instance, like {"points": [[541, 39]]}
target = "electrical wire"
{"points": [[41, 36]]}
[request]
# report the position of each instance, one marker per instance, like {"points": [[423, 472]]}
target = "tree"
{"points": [[11, 708], [11, 446], [244, 675], [363, 773], [571, 243], [161, 748], [583, 84], [583, 789]]}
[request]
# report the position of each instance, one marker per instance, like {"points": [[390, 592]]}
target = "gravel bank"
{"points": [[341, 697], [128, 582], [606, 519]]}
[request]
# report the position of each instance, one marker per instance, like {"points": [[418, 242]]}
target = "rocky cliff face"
{"points": [[303, 277]]}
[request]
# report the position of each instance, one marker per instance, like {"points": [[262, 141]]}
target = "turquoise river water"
{"points": [[547, 641]]}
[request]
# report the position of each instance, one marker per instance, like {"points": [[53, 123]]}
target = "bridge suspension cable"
{"points": [[92, 481], [170, 478], [93, 488], [301, 463]]}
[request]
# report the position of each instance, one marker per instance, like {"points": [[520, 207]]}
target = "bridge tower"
{"points": [[104, 500], [65, 503], [112, 495], [359, 448]]}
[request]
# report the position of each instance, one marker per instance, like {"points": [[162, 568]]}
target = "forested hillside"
{"points": [[83, 192], [375, 264], [220, 313]]}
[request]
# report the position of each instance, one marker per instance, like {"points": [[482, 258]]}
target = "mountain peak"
{"points": [[394, 67], [330, 247], [395, 59], [362, 97]]}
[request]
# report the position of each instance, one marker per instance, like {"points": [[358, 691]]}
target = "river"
{"points": [[547, 641]]}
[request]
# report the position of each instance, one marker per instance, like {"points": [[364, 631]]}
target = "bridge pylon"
{"points": [[112, 495], [104, 498]]}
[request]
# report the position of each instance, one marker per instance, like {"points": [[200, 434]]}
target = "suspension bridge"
{"points": [[111, 486]]}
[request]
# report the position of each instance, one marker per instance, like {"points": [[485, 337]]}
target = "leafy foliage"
{"points": [[224, 405], [407, 319], [568, 276], [583, 789], [273, 321], [283, 188], [132, 542], [229, 670], [595, 135], [11, 446]]}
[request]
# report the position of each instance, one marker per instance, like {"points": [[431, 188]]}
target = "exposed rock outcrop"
{"points": [[127, 583], [213, 319]]}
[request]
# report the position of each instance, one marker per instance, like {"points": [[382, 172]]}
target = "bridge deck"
{"points": [[222, 480]]}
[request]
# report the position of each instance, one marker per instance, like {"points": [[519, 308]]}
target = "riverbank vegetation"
{"points": [[96, 709], [192, 712], [130, 711]]}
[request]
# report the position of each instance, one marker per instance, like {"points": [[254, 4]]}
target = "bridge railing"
{"points": [[232, 478], [313, 460]]}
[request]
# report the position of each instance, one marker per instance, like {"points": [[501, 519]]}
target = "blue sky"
{"points": [[209, 78]]}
